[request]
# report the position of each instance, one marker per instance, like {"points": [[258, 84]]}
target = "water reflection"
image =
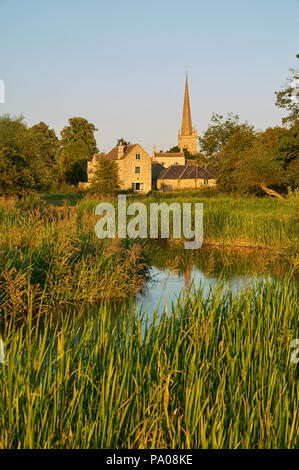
{"points": [[174, 270]]}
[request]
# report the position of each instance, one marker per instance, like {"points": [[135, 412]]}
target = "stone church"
{"points": [[165, 171], [187, 137]]}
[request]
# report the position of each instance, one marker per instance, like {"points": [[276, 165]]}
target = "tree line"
{"points": [[247, 160], [34, 158]]}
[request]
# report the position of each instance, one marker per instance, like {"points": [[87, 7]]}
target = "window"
{"points": [[137, 156], [137, 169], [137, 186], [205, 181]]}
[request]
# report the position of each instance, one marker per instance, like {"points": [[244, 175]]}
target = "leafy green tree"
{"points": [[15, 172], [15, 175], [230, 158], [288, 97], [261, 166], [106, 178], [216, 136], [174, 149], [77, 146], [43, 146], [13, 132], [289, 153], [122, 141]]}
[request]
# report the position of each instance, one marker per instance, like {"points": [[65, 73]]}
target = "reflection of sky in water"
{"points": [[167, 285]]}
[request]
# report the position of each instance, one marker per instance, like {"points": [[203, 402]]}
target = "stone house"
{"points": [[165, 171], [134, 165], [167, 159]]}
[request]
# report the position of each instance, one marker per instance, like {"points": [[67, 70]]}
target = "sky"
{"points": [[121, 64]]}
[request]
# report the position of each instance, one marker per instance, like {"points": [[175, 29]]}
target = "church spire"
{"points": [[186, 121]]}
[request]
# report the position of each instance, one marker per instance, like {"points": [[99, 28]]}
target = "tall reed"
{"points": [[213, 372]]}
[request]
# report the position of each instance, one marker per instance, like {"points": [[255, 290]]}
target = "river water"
{"points": [[174, 272]]}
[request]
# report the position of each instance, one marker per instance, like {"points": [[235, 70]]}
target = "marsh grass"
{"points": [[232, 221], [213, 372], [55, 253]]}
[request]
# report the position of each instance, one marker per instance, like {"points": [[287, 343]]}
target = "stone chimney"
{"points": [[120, 150]]}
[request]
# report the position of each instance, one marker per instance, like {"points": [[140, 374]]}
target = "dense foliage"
{"points": [[33, 158]]}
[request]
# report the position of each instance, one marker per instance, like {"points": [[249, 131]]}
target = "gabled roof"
{"points": [[113, 154], [185, 172], [209, 169]]}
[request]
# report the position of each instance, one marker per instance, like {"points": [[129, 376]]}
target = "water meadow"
{"points": [[141, 344]]}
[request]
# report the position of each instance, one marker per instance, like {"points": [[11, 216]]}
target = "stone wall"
{"points": [[182, 184]]}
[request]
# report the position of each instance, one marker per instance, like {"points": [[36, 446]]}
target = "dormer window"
{"points": [[137, 156]]}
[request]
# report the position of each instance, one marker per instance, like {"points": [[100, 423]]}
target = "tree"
{"points": [[288, 98], [217, 135], [15, 175], [289, 154], [43, 145], [106, 178], [77, 146], [122, 141], [15, 172], [230, 158], [261, 165]]}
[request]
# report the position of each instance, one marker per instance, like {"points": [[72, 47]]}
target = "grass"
{"points": [[243, 221], [228, 220], [234, 221], [214, 372], [55, 252]]}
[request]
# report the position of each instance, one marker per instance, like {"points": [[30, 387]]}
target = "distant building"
{"points": [[134, 164], [180, 177], [165, 171], [187, 136], [167, 159]]}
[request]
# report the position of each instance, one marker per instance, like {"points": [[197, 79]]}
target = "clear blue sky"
{"points": [[121, 63]]}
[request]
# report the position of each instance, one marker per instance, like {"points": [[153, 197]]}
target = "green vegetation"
{"points": [[106, 179], [215, 372], [53, 248], [284, 98], [233, 221], [55, 253], [34, 159], [250, 161], [77, 146]]}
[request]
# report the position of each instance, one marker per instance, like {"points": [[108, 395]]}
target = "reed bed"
{"points": [[55, 252], [212, 372], [232, 221]]}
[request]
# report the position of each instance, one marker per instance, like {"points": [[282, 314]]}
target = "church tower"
{"points": [[187, 137]]}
